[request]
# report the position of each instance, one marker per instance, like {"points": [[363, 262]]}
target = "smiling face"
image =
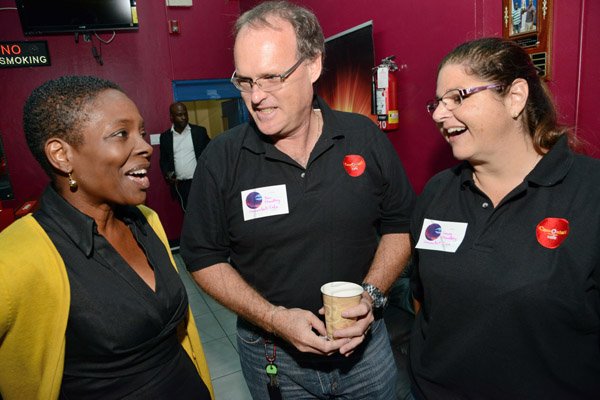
{"points": [[261, 51], [479, 128], [111, 164]]}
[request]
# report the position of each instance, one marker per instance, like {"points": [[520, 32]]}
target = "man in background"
{"points": [[530, 17], [180, 147], [301, 196], [516, 16]]}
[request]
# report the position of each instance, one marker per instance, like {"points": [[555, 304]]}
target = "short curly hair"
{"points": [[57, 109]]}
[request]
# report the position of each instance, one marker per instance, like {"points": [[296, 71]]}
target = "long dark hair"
{"points": [[502, 61]]}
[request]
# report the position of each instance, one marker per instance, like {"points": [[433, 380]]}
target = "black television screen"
{"points": [[40, 17]]}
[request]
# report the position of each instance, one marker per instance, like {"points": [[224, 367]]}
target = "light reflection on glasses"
{"points": [[268, 83], [452, 99]]}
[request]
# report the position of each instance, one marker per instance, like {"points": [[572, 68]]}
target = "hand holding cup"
{"points": [[337, 297]]}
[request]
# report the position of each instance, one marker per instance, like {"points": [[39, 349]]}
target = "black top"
{"points": [[335, 213], [167, 157], [514, 313], [121, 335]]}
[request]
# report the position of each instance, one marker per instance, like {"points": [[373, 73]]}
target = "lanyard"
{"points": [[271, 370]]}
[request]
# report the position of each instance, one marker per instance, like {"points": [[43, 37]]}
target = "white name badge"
{"points": [[264, 202], [441, 235]]}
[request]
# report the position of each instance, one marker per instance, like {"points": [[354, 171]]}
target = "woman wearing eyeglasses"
{"points": [[507, 260]]}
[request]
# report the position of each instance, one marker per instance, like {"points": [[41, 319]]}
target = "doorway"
{"points": [[212, 103]]}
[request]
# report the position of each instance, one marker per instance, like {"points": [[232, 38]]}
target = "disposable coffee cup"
{"points": [[337, 297]]}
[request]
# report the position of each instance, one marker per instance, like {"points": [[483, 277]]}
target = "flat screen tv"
{"points": [[39, 17]]}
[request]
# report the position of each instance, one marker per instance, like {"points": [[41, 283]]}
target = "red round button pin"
{"points": [[551, 232], [354, 165]]}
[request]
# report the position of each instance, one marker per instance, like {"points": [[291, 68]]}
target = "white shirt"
{"points": [[183, 153]]}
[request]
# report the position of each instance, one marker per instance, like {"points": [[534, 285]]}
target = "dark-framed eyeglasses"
{"points": [[452, 99], [267, 83]]}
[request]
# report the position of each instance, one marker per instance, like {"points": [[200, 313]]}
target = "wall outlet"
{"points": [[179, 3]]}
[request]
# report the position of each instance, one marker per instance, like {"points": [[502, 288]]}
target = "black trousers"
{"points": [[182, 191]]}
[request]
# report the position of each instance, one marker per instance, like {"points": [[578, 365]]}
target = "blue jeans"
{"points": [[369, 373]]}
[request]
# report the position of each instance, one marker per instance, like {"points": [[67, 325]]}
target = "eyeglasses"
{"points": [[452, 99], [268, 83]]}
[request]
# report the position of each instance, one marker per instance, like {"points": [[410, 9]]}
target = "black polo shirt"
{"points": [[514, 313], [352, 190]]}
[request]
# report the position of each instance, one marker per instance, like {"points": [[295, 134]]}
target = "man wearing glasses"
{"points": [[301, 196]]}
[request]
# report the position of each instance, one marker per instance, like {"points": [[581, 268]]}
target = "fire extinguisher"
{"points": [[384, 101]]}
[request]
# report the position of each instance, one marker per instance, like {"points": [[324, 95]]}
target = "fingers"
{"points": [[318, 325], [358, 329], [324, 346], [349, 347], [359, 311], [296, 326], [353, 342], [355, 334]]}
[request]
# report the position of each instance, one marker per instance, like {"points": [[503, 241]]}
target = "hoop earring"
{"points": [[72, 183]]}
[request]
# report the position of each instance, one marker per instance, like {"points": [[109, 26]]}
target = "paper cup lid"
{"points": [[341, 289]]}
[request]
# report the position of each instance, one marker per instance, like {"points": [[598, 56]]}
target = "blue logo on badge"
{"points": [[433, 232], [254, 200]]}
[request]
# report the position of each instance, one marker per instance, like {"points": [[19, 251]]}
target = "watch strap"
{"points": [[379, 299]]}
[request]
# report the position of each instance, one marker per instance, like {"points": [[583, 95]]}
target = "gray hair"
{"points": [[309, 35]]}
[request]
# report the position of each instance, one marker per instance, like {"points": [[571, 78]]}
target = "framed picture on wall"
{"points": [[529, 23]]}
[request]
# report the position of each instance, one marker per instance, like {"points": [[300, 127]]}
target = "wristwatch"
{"points": [[379, 299]]}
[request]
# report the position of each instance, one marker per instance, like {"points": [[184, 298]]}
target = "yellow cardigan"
{"points": [[34, 308]]}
